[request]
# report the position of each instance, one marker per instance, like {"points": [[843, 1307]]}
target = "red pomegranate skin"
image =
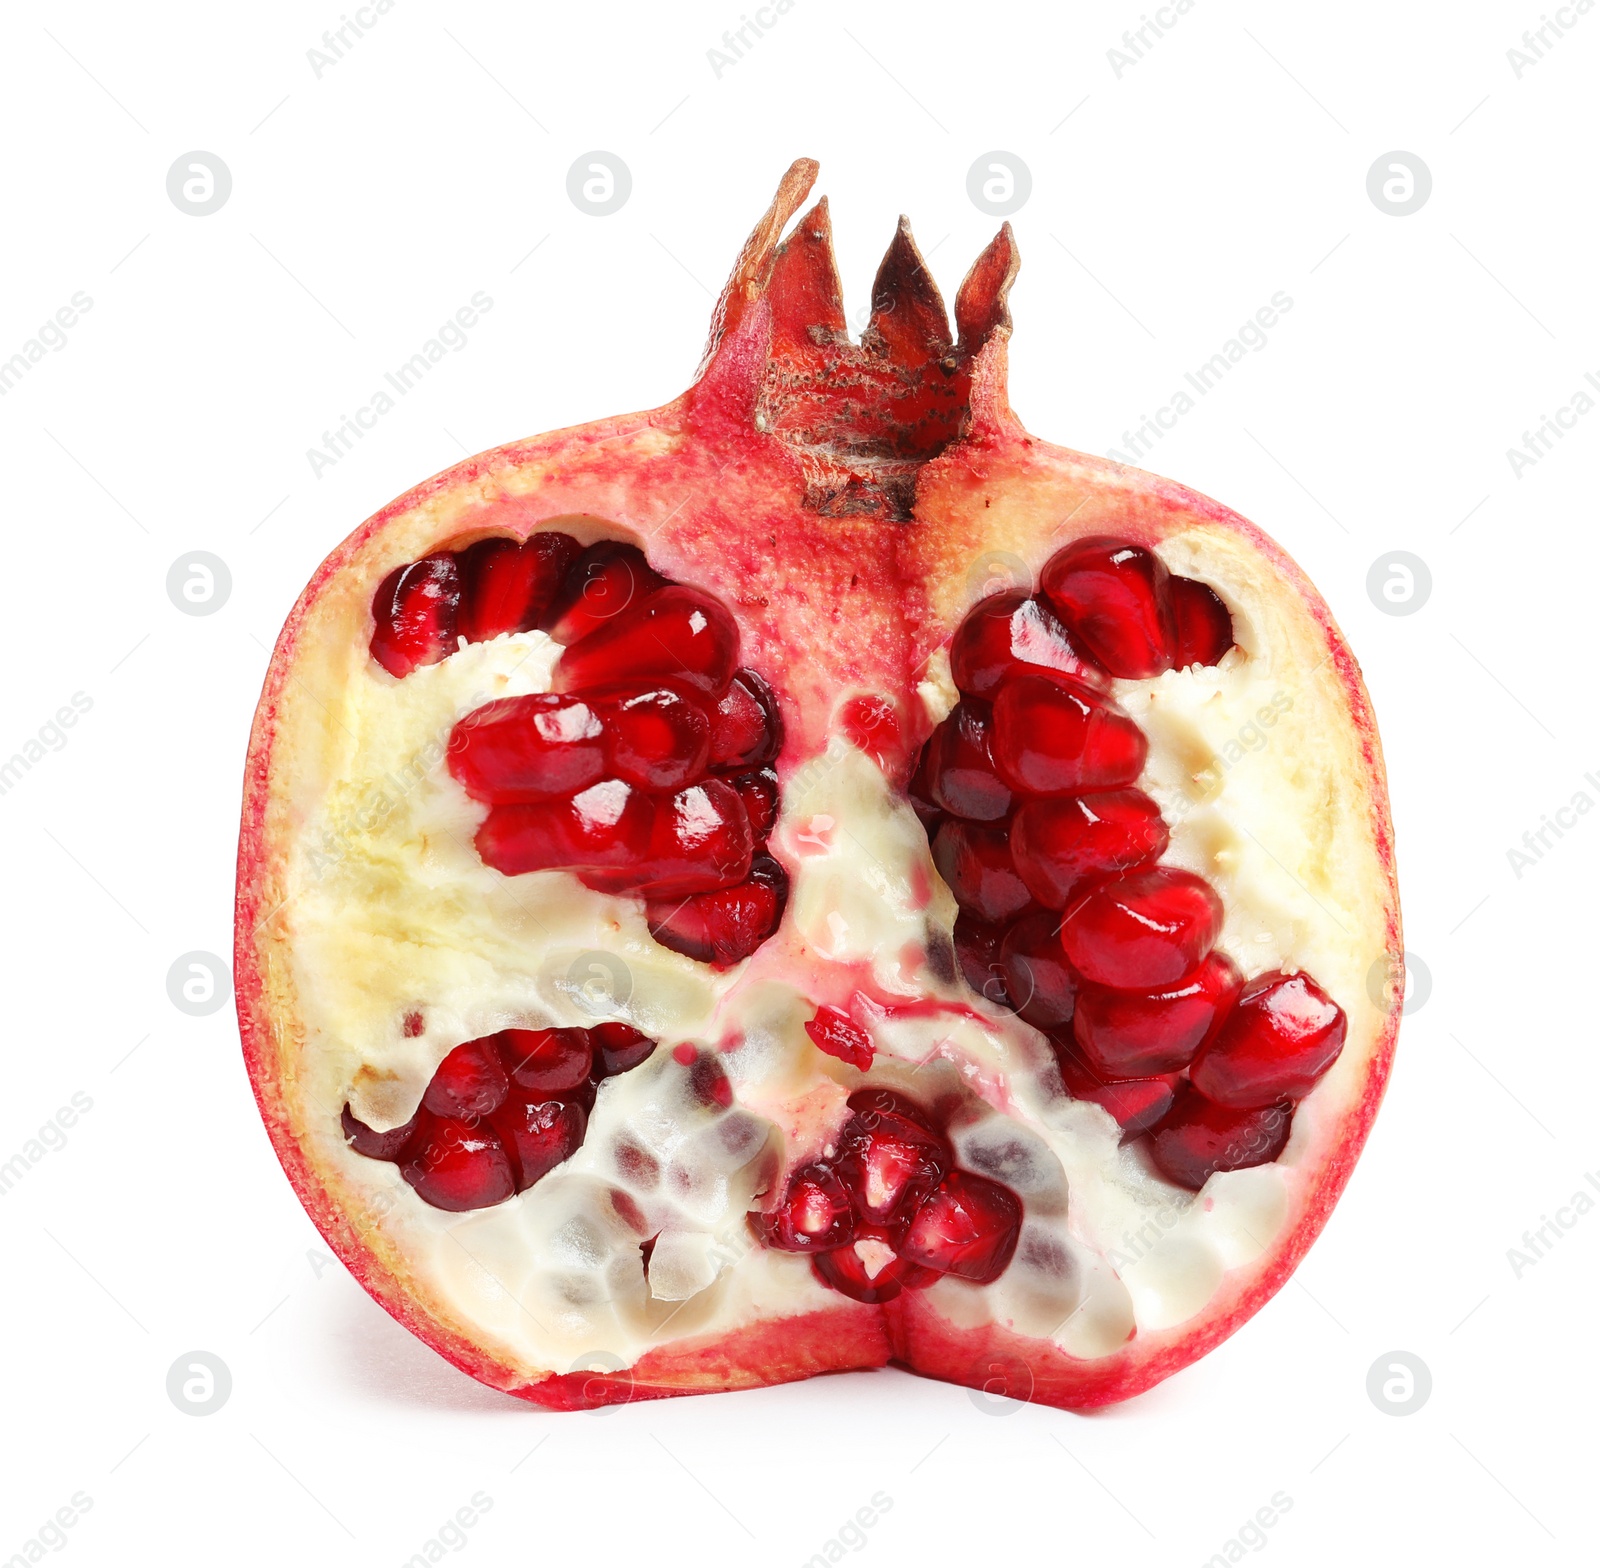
{"points": [[880, 555]]}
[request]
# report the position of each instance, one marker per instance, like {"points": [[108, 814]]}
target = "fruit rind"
{"points": [[581, 474]]}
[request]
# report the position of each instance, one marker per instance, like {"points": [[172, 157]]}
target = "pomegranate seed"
{"points": [[637, 1166], [1059, 844], [546, 1061], [958, 769], [469, 1083], [458, 1165], [726, 925], [758, 790], [846, 1271], [1129, 1034], [975, 862], [1010, 632], [618, 1048], [1113, 594], [628, 1211], [540, 1135], [372, 1143], [919, 792], [870, 1104], [1283, 1035], [603, 582], [967, 1227], [1204, 629], [507, 586], [872, 726], [977, 945], [1135, 1104], [833, 1031], [888, 1160], [414, 614], [678, 634], [1197, 1137], [700, 840], [745, 729], [814, 1215], [1053, 737], [602, 833], [1143, 930], [707, 1080], [656, 739], [1039, 981], [517, 750]]}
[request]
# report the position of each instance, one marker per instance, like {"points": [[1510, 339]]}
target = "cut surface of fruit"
{"points": [[1116, 595], [1009, 632], [1054, 736], [834, 1031], [813, 875], [1040, 983], [1142, 930], [958, 765], [1062, 844], [1127, 1034], [1197, 1138], [1282, 1035]]}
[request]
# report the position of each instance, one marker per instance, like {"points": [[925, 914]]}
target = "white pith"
{"points": [[389, 911]]}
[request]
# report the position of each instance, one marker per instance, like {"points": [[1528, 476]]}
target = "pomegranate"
{"points": [[812, 875]]}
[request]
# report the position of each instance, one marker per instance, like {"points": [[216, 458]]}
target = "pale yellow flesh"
{"points": [[388, 911]]}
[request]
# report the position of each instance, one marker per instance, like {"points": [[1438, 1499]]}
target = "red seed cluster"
{"points": [[647, 769], [1067, 917], [501, 1111], [893, 1180]]}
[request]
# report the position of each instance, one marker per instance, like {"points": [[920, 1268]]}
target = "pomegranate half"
{"points": [[813, 876]]}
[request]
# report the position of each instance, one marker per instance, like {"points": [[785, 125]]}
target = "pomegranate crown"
{"points": [[861, 417]]}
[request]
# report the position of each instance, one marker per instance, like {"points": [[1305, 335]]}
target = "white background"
{"points": [[1167, 206]]}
